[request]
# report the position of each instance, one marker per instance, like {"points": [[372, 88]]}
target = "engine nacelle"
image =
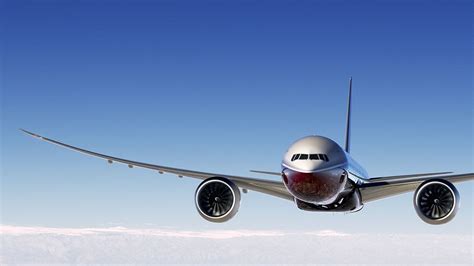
{"points": [[217, 199], [436, 201]]}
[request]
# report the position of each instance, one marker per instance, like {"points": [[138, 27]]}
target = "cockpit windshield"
{"points": [[312, 156]]}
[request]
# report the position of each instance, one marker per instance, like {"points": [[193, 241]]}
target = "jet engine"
{"points": [[436, 201], [217, 199]]}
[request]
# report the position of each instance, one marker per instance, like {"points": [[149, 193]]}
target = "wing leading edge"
{"points": [[270, 187]]}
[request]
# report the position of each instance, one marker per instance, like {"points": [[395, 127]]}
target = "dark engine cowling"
{"points": [[217, 199], [436, 201]]}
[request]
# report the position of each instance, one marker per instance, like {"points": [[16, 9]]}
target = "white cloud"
{"points": [[214, 234], [326, 233], [25, 245]]}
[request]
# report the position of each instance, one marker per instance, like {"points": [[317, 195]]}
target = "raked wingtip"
{"points": [[30, 133]]}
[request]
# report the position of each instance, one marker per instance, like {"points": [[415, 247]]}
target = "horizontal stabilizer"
{"points": [[266, 172]]}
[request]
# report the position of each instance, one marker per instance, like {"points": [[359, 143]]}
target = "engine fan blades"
{"points": [[436, 201], [216, 199]]}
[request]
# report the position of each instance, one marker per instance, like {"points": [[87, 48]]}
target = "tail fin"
{"points": [[348, 122]]}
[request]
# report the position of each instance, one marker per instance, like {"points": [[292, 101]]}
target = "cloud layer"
{"points": [[124, 245]]}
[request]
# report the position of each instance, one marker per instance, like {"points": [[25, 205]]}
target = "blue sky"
{"points": [[226, 87]]}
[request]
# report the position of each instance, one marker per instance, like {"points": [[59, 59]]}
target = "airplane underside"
{"points": [[348, 202]]}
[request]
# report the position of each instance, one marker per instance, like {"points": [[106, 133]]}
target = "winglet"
{"points": [[348, 121]]}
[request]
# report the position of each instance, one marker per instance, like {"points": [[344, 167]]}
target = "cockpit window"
{"points": [[312, 156], [295, 157], [325, 157]]}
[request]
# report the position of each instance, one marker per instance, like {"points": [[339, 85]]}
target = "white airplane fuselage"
{"points": [[320, 174]]}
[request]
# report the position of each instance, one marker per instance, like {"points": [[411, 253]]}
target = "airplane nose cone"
{"points": [[319, 187], [314, 153]]}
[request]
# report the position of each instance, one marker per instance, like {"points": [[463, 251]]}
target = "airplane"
{"points": [[317, 175]]}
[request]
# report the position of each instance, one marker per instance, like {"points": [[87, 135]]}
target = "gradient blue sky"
{"points": [[226, 87]]}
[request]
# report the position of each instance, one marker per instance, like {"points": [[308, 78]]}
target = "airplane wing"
{"points": [[383, 187], [270, 187]]}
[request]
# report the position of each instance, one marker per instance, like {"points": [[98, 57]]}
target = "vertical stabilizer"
{"points": [[348, 122]]}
